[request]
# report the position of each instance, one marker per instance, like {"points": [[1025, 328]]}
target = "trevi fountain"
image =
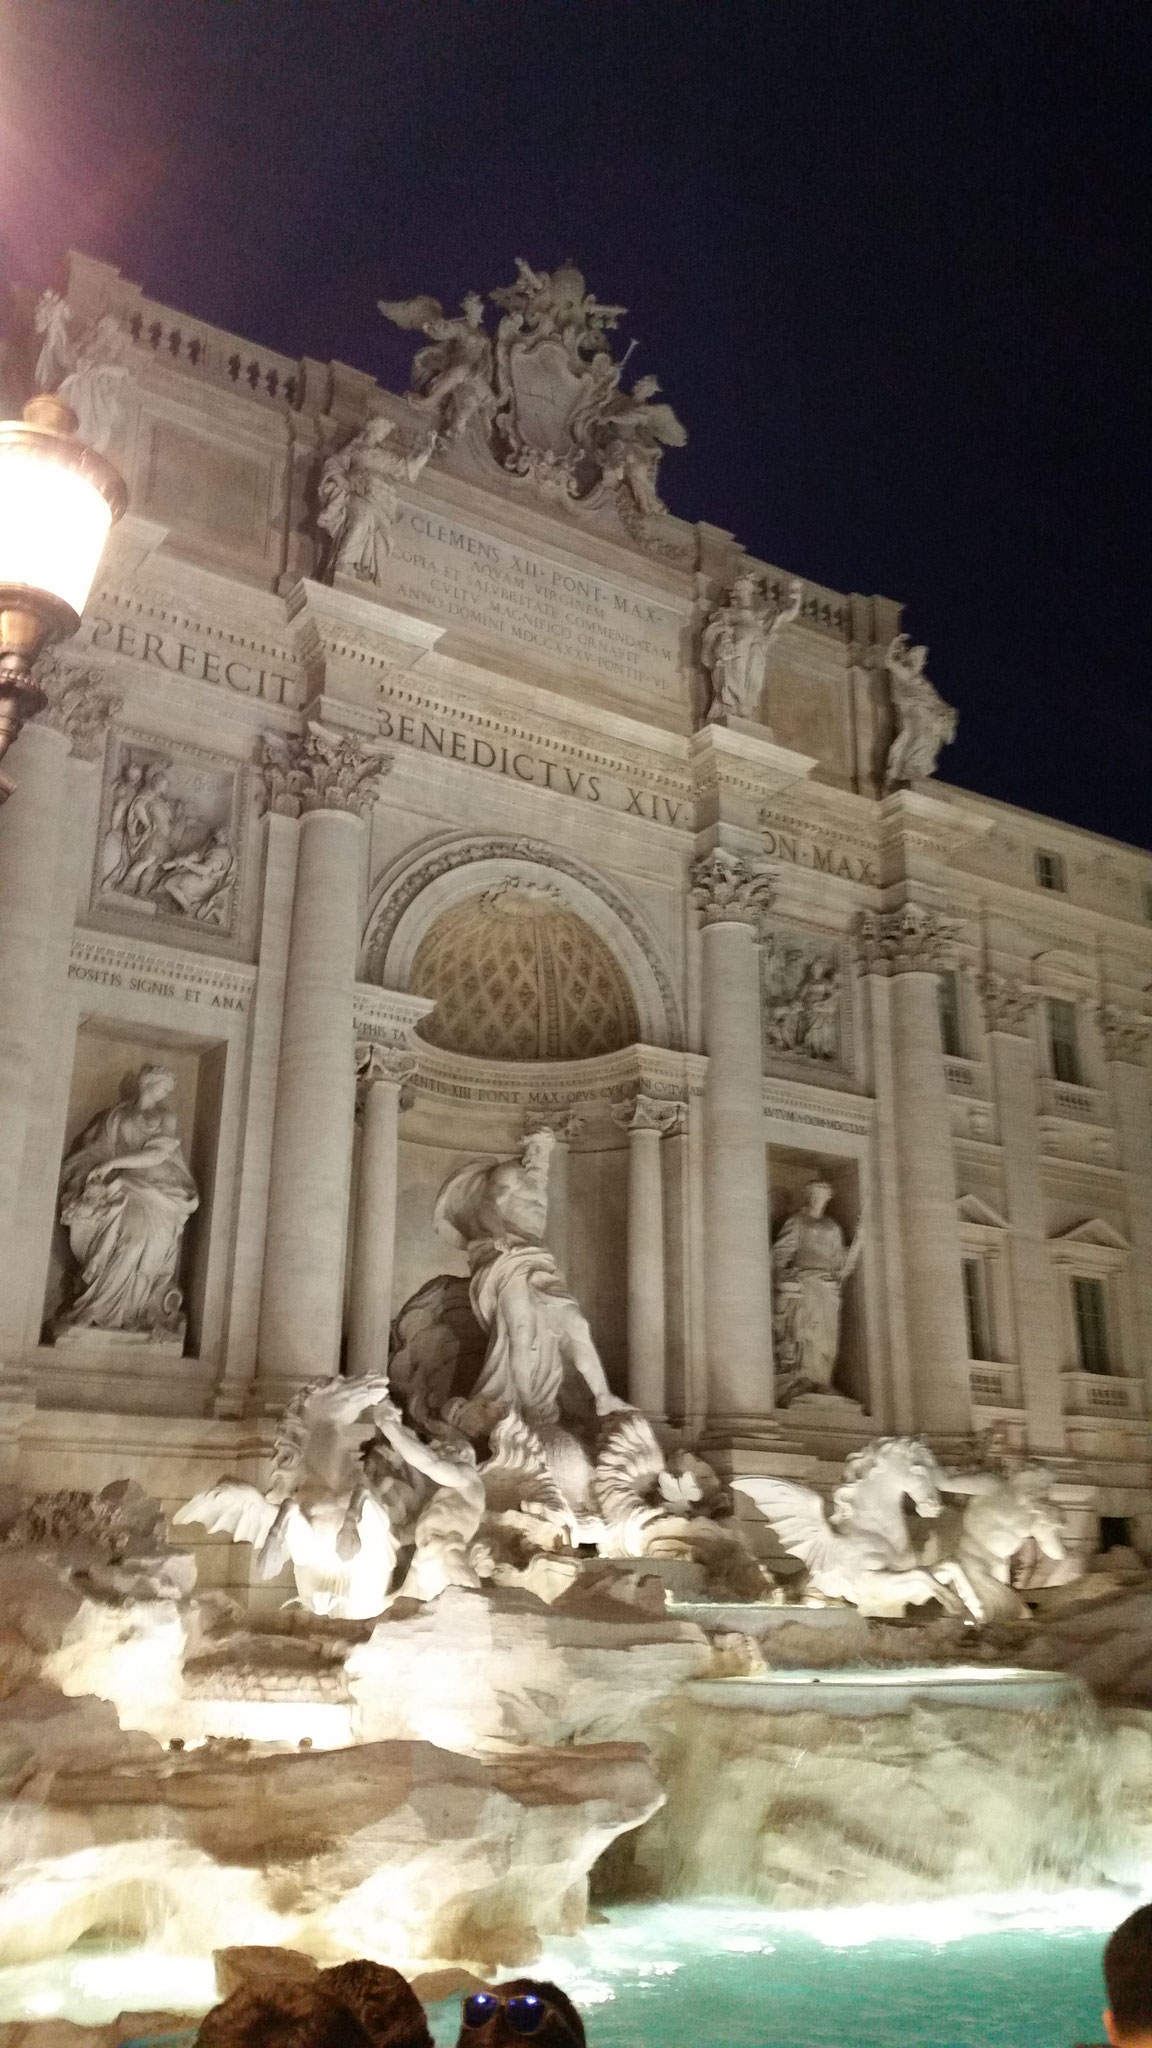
{"points": [[576, 1247]]}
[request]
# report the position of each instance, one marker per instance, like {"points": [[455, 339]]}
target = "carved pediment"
{"points": [[1096, 1232], [971, 1209]]}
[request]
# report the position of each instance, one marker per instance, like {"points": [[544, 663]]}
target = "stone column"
{"points": [[31, 829], [730, 892], [332, 779], [910, 945], [381, 1073], [1126, 1038], [646, 1120], [1008, 1007]]}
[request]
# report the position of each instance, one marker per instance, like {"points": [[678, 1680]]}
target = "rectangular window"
{"points": [[1091, 1324], [1063, 1044], [951, 1036], [1050, 871], [976, 1309]]}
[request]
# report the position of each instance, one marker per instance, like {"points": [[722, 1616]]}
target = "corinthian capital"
{"points": [[376, 1062], [320, 769], [1125, 1034], [1008, 1003], [910, 940], [650, 1113], [728, 888], [80, 704]]}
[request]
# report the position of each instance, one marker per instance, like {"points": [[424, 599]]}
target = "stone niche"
{"points": [[789, 1173], [140, 1373]]}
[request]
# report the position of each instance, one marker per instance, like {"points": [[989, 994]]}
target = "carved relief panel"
{"points": [[804, 1013], [169, 841]]}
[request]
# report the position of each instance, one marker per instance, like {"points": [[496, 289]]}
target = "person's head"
{"points": [[817, 1196], [382, 2000], [527, 2012], [292, 2016], [1128, 1981]]}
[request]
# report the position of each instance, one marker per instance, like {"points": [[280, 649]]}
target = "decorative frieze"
{"points": [[80, 704], [728, 888], [1126, 1035], [911, 940], [320, 769], [1008, 1003], [185, 978]]}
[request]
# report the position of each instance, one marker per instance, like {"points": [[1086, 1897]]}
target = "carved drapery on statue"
{"points": [[546, 395], [125, 1197], [87, 364], [925, 723], [356, 495], [735, 645], [811, 1263]]}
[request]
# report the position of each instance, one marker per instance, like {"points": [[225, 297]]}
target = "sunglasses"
{"points": [[524, 2011]]}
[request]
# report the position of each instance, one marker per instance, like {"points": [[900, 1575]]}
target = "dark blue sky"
{"points": [[889, 259]]}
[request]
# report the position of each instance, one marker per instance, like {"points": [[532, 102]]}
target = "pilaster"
{"points": [[647, 1120], [381, 1073]]}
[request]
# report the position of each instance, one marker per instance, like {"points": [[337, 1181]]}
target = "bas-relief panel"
{"points": [[168, 844], [810, 713], [803, 1008]]}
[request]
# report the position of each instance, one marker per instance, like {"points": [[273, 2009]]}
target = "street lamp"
{"points": [[58, 501]]}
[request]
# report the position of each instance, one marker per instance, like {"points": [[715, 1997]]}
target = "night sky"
{"points": [[889, 261]]}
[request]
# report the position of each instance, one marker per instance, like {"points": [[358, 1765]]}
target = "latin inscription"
{"points": [[564, 614], [201, 664], [475, 751], [826, 860], [204, 986]]}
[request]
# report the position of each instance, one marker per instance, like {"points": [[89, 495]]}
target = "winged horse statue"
{"points": [[861, 1551]]}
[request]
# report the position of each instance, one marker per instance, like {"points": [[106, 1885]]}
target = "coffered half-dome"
{"points": [[517, 975]]}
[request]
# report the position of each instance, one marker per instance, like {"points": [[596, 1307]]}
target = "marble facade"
{"points": [[468, 840]]}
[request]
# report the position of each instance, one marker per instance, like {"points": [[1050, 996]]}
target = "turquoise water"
{"points": [[730, 1977]]}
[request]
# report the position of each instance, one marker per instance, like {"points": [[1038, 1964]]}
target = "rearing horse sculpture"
{"points": [[862, 1551]]}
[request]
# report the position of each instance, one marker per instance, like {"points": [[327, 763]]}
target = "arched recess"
{"points": [[412, 894]]}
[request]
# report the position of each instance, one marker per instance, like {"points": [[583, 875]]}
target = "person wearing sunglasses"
{"points": [[525, 2009]]}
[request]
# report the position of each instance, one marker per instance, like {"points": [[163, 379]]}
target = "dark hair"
{"points": [[382, 2000], [293, 2016], [563, 2027], [1128, 1971]]}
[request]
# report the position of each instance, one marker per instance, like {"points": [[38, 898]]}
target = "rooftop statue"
{"points": [[357, 497], [925, 722], [735, 646], [546, 394], [86, 365]]}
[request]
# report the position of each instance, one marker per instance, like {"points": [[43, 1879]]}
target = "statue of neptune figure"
{"points": [[496, 1211]]}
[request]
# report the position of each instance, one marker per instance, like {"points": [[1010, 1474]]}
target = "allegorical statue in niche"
{"points": [[735, 646], [810, 1264], [926, 723], [452, 378], [357, 497], [496, 1211], [125, 1197]]}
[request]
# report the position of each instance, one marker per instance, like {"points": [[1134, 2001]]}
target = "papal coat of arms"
{"points": [[546, 394]]}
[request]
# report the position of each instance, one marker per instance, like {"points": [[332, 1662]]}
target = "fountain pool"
{"points": [[1010, 1971]]}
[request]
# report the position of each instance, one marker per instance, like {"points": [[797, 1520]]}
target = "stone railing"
{"points": [[1082, 1105], [1094, 1393], [220, 358], [992, 1385], [965, 1077]]}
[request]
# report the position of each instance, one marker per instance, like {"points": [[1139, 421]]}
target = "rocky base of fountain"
{"points": [[436, 1786]]}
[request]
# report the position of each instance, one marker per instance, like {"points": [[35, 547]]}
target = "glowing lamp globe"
{"points": [[58, 500]]}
